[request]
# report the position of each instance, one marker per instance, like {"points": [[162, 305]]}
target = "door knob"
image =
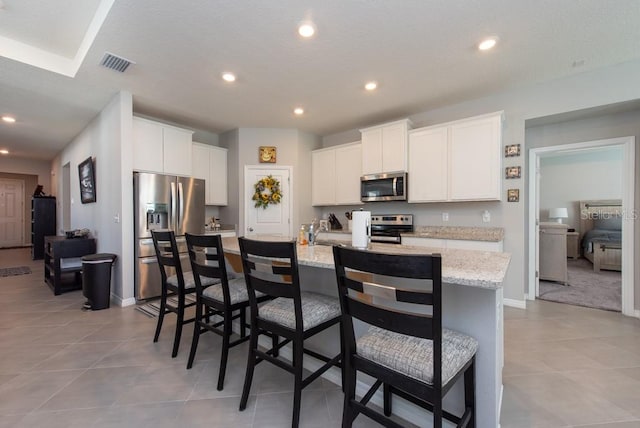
{"points": [[251, 229]]}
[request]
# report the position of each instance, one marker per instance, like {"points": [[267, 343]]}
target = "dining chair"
{"points": [[175, 282], [405, 349], [294, 315], [226, 298]]}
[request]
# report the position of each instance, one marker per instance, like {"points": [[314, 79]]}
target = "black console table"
{"points": [[62, 262]]}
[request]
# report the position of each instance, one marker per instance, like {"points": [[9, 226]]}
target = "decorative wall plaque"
{"points": [[267, 154]]}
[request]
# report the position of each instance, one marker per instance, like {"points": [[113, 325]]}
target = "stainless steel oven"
{"points": [[383, 187], [388, 227]]}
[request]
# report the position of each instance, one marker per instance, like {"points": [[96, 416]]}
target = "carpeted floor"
{"points": [[12, 271], [600, 290]]}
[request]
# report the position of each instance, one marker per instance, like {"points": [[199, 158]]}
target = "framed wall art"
{"points": [[267, 154], [512, 172], [87, 177], [512, 150]]}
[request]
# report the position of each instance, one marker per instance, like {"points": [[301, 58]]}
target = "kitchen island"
{"points": [[472, 304]]}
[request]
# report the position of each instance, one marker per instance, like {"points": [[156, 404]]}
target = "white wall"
{"points": [[567, 179], [40, 168], [107, 139], [590, 89]]}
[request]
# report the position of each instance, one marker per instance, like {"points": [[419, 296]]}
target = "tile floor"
{"points": [[61, 367]]}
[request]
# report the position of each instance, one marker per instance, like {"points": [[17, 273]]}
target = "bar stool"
{"points": [[173, 284], [223, 298], [272, 268], [406, 349]]}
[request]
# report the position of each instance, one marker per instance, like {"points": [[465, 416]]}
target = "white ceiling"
{"points": [[422, 53]]}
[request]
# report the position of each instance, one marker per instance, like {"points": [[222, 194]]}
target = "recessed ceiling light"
{"points": [[306, 30], [9, 119], [370, 86], [298, 111], [4, 152], [488, 43], [228, 77]]}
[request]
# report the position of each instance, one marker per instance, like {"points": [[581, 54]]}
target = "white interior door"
{"points": [[537, 226], [274, 219], [11, 212]]}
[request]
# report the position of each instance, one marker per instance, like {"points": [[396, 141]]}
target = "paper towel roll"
{"points": [[361, 229]]}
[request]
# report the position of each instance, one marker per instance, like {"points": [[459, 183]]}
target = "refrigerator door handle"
{"points": [[181, 211], [173, 219]]}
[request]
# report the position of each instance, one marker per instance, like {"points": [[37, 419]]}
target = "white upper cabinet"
{"points": [[323, 177], [210, 164], [457, 161], [475, 149], [348, 172], [161, 148], [428, 165], [384, 147], [335, 175]]}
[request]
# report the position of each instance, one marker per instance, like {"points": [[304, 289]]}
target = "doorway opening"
{"points": [[11, 213], [626, 208]]}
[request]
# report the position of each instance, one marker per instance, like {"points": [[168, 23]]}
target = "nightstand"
{"points": [[573, 246], [553, 252]]}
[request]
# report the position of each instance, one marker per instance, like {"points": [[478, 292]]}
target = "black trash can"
{"points": [[96, 280]]}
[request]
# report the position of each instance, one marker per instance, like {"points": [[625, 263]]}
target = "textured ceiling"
{"points": [[422, 53]]}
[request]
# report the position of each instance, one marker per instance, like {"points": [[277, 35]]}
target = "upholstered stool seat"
{"points": [[413, 356], [237, 291], [316, 309], [190, 282]]}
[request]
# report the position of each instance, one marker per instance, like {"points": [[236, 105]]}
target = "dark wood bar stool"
{"points": [[224, 298], [173, 284], [407, 351], [272, 268]]}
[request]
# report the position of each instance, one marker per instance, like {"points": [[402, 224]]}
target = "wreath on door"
{"points": [[266, 192]]}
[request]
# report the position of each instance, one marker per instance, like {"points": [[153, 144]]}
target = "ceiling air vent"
{"points": [[115, 62]]}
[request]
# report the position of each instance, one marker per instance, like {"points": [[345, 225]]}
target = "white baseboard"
{"points": [[520, 304], [123, 302], [636, 313]]}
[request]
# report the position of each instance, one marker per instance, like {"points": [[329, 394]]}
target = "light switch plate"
{"points": [[486, 216]]}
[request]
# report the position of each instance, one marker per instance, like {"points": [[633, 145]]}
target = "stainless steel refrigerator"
{"points": [[163, 202]]}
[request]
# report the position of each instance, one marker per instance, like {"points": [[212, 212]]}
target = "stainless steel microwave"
{"points": [[383, 187]]}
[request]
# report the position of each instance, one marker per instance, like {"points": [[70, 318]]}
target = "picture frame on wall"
{"points": [[512, 172], [512, 150], [87, 176], [267, 154], [513, 195]]}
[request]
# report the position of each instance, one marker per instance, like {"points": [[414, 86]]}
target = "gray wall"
{"points": [[567, 179], [293, 149], [596, 127], [615, 84]]}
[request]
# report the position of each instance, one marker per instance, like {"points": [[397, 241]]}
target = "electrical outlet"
{"points": [[116, 218], [445, 216], [486, 216]]}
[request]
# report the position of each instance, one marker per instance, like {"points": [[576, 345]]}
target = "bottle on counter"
{"points": [[302, 236]]}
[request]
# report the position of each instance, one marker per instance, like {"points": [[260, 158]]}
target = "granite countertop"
{"points": [[483, 269], [489, 234], [492, 234]]}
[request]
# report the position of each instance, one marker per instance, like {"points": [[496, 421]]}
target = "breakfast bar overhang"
{"points": [[472, 304]]}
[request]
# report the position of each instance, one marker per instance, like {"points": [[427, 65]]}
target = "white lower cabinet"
{"points": [[457, 161], [210, 164], [335, 175]]}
